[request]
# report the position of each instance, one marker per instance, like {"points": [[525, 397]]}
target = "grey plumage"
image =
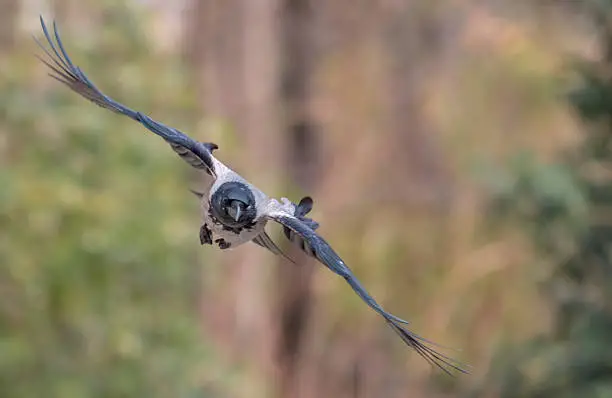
{"points": [[233, 210]]}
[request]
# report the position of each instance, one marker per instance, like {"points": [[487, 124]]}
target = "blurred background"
{"points": [[457, 151]]}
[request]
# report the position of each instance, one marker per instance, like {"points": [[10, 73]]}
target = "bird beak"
{"points": [[237, 211]]}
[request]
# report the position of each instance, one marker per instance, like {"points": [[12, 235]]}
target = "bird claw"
{"points": [[223, 244], [205, 235]]}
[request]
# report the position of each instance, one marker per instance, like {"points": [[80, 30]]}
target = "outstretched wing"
{"points": [[322, 251], [197, 154]]}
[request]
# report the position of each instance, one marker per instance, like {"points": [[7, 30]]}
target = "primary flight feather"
{"points": [[233, 210]]}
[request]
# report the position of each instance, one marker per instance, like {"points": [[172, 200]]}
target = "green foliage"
{"points": [[98, 276], [546, 200], [564, 207]]}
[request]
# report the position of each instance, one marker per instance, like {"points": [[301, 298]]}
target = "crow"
{"points": [[233, 210]]}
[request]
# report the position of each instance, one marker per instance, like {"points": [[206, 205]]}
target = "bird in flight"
{"points": [[233, 210]]}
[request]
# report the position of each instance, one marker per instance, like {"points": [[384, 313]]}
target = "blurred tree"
{"points": [[99, 285], [233, 49], [295, 283], [9, 12], [416, 30], [566, 208]]}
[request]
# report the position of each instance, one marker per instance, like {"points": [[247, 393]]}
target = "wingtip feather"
{"points": [[445, 363]]}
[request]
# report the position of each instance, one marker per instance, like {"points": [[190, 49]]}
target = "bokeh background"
{"points": [[457, 151]]}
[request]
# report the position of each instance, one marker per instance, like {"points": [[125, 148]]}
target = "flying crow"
{"points": [[233, 210]]}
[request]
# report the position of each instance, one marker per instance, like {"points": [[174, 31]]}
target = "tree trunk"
{"points": [[233, 48], [294, 281], [9, 15]]}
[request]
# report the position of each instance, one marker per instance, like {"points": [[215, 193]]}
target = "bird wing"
{"points": [[318, 248], [197, 154]]}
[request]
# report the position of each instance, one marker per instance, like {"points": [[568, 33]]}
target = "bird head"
{"points": [[233, 204]]}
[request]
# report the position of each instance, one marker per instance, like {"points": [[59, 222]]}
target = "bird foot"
{"points": [[205, 235], [223, 244]]}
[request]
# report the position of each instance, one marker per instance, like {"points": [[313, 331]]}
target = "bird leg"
{"points": [[205, 235], [223, 244]]}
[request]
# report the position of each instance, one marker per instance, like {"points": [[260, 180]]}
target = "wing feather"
{"points": [[324, 253], [197, 154]]}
